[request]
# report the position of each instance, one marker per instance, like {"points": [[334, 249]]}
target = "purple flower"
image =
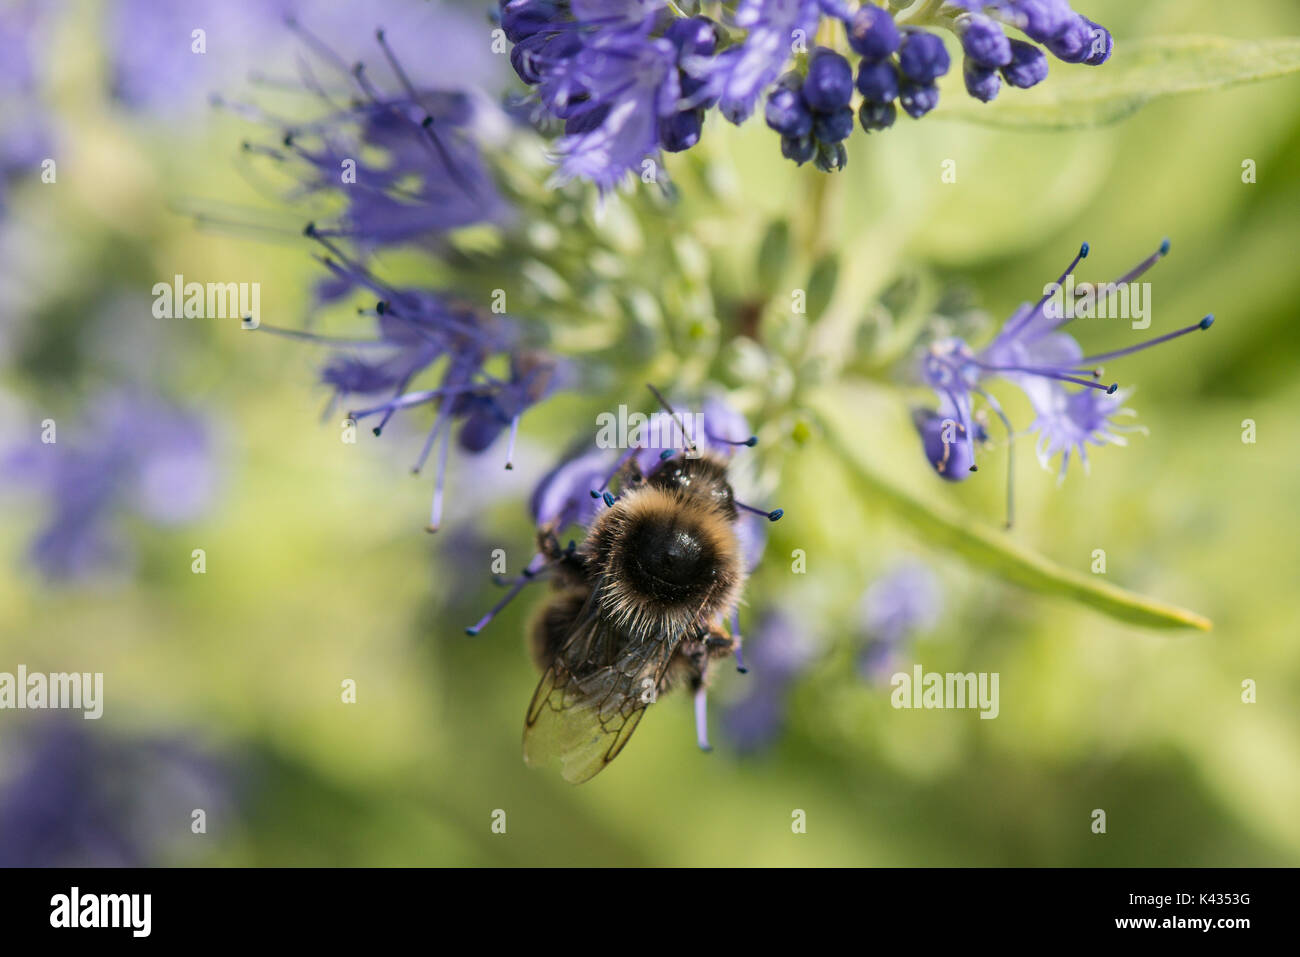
{"points": [[943, 438], [739, 75], [787, 113], [983, 41], [878, 82], [623, 84], [983, 83], [905, 601], [604, 71], [73, 798], [407, 166], [157, 62], [26, 137], [778, 652], [416, 329], [131, 454], [923, 58], [717, 428], [829, 83], [1028, 66], [1074, 407], [615, 94], [872, 33], [563, 497]]}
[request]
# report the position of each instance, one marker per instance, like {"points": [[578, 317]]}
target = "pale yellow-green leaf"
{"points": [[1139, 71]]}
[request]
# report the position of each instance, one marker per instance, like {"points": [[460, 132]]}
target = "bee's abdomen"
{"points": [[553, 625]]}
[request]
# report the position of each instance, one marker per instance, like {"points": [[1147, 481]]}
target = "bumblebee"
{"points": [[638, 609]]}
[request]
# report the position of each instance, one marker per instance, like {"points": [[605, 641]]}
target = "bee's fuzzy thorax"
{"points": [[667, 560]]}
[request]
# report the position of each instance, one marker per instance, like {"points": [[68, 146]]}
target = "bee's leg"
{"points": [[719, 644], [565, 559], [714, 643]]}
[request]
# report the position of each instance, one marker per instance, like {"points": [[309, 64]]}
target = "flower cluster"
{"points": [[782, 651], [134, 454], [419, 331], [408, 168], [1073, 407], [77, 799], [26, 136], [630, 77], [905, 601]]}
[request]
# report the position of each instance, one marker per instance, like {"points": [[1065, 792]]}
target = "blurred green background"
{"points": [[318, 568]]}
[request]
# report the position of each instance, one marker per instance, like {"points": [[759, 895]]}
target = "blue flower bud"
{"points": [[798, 148], [681, 131], [918, 100], [1028, 65], [923, 58], [872, 33], [829, 84], [1044, 19], [694, 90], [1101, 45], [876, 116], [982, 82], [834, 127], [983, 41], [787, 113], [878, 82], [1075, 44], [523, 18], [529, 53], [481, 428], [693, 36], [522, 56], [831, 158], [948, 450]]}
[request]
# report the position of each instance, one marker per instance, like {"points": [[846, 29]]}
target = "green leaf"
{"points": [[990, 550], [773, 254], [821, 285], [1139, 71]]}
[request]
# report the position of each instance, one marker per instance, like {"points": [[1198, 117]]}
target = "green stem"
{"points": [[993, 552]]}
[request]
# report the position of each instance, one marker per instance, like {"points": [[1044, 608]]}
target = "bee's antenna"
{"points": [[771, 516], [690, 445]]}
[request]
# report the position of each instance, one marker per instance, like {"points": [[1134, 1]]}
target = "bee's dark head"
{"points": [[667, 556], [702, 477]]}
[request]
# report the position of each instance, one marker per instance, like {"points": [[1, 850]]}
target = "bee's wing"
{"points": [[593, 695]]}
